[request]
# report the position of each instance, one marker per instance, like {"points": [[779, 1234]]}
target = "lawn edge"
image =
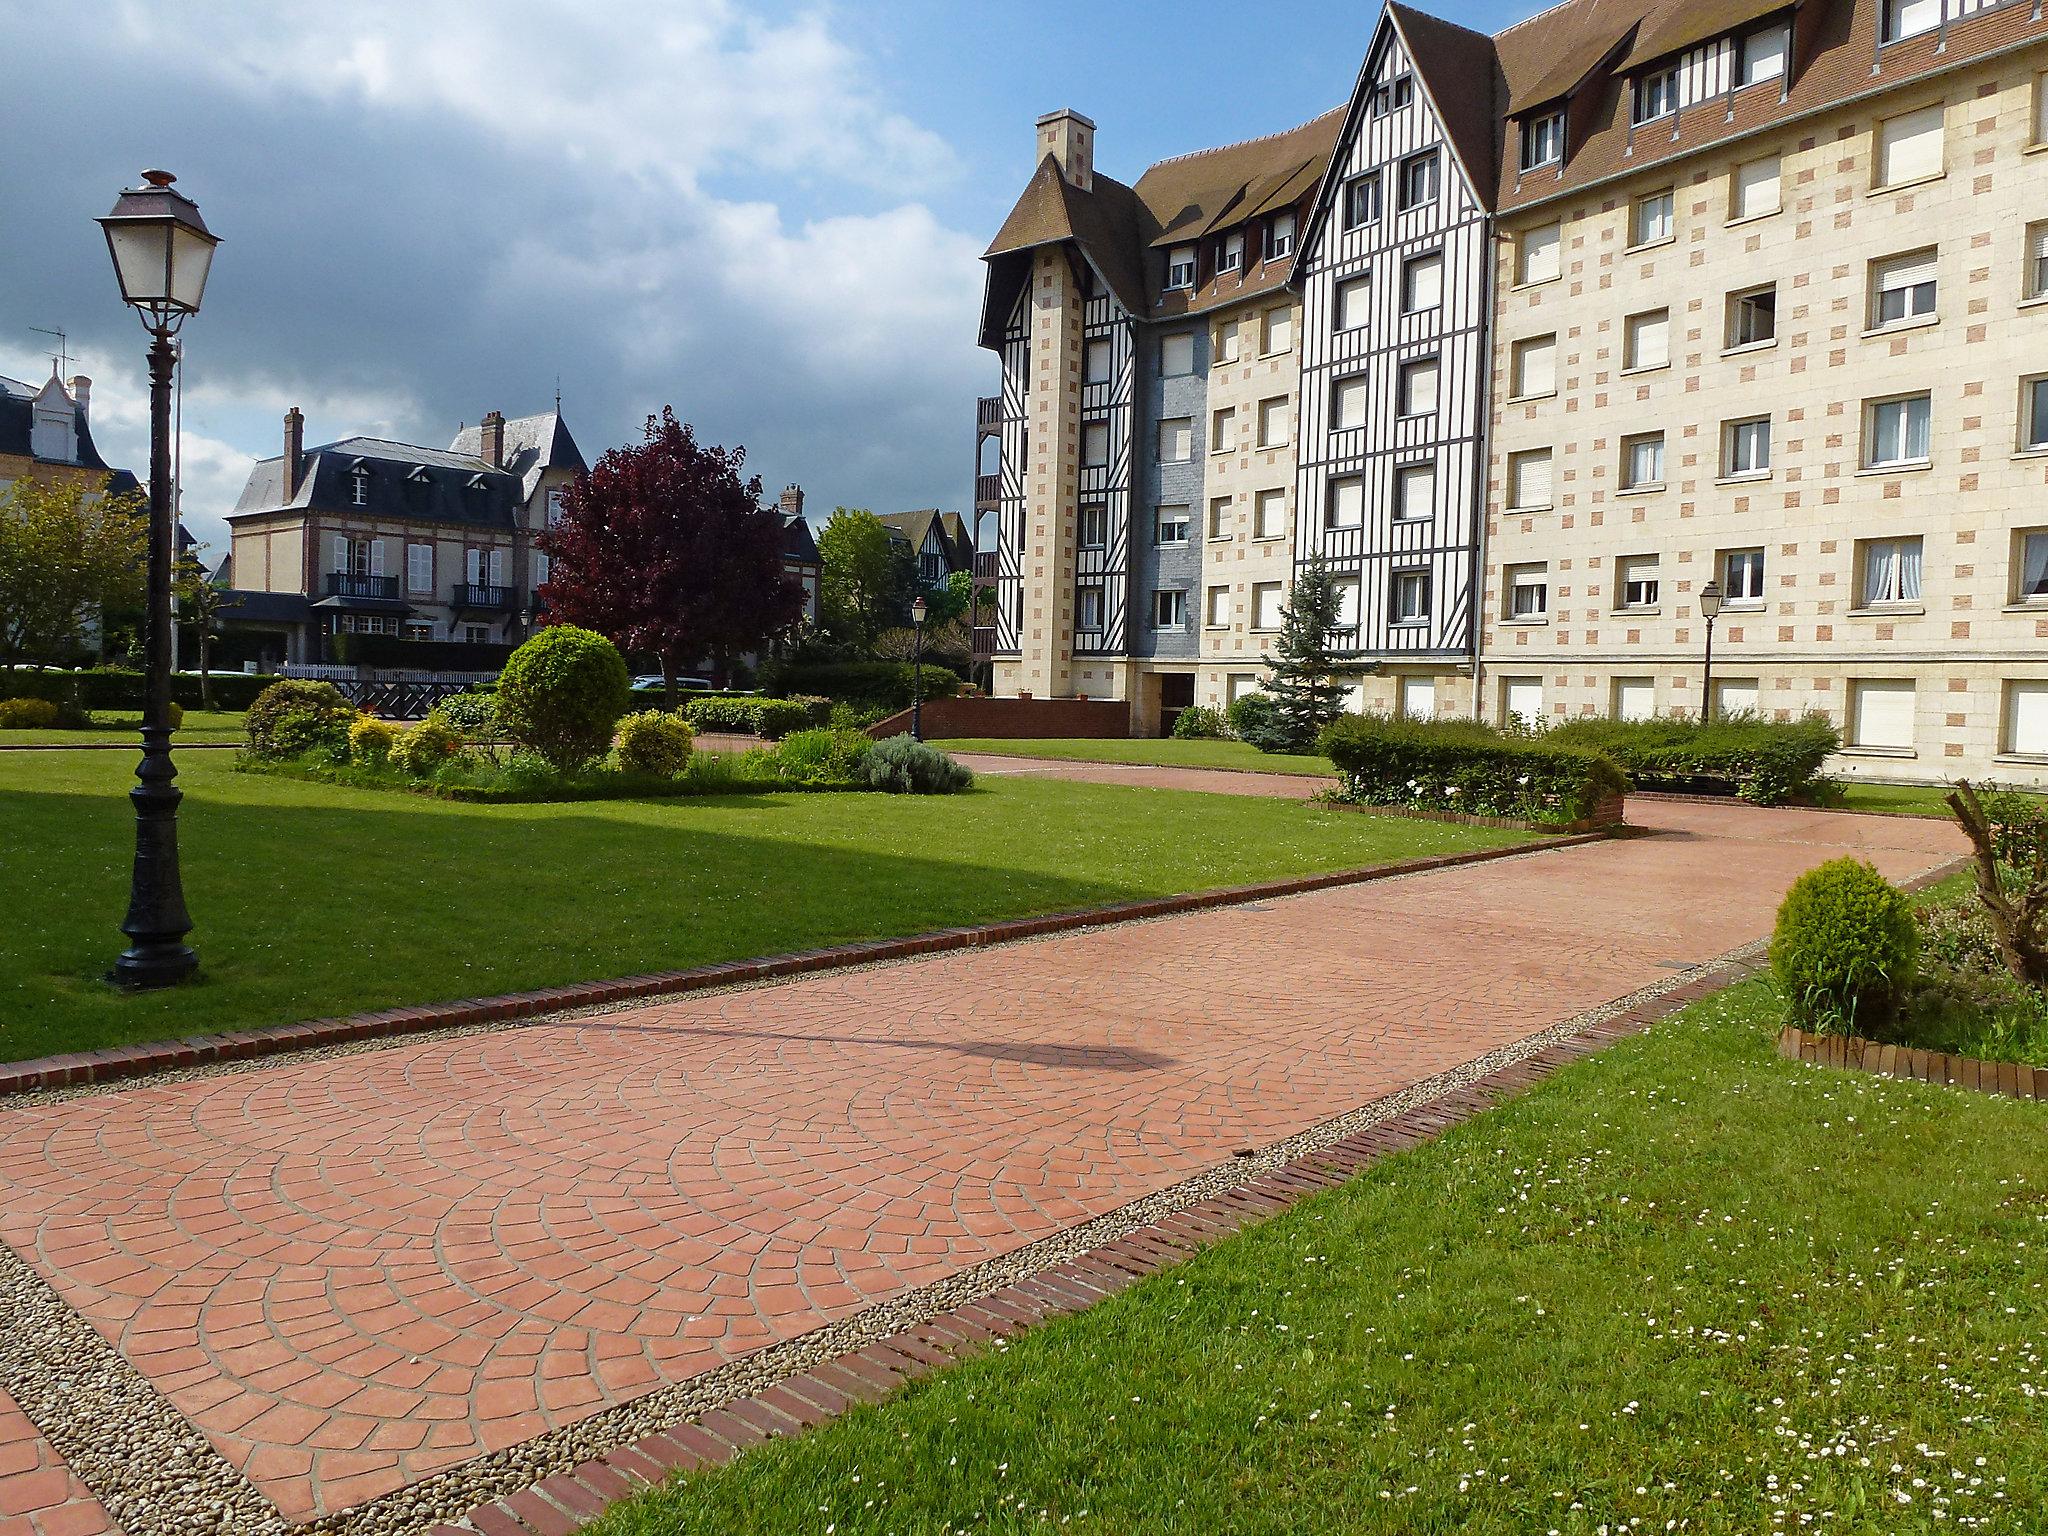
{"points": [[1854, 1053], [121, 1063]]}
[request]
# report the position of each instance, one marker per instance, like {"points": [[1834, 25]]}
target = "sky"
{"points": [[769, 216]]}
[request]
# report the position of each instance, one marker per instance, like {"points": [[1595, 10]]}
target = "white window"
{"points": [[473, 567], [1219, 517], [1101, 358], [1764, 54], [1642, 462], [541, 567], [1392, 96], [2037, 261], [1088, 610], [1170, 525], [1746, 448], [1354, 303], [1521, 698], [1534, 367], [2032, 567], [1091, 525], [1422, 283], [1273, 422], [1176, 439], [1650, 219], [1539, 254], [1529, 480], [1238, 684], [1415, 492], [1362, 201], [1348, 401], [1226, 343], [1528, 592], [477, 634], [2034, 413], [554, 506], [1346, 590], [2026, 719], [1891, 572], [1635, 698], [1742, 576], [2040, 135], [499, 560], [1881, 714], [1646, 340], [1542, 140], [1180, 267], [1418, 180], [1909, 18], [351, 556], [1754, 189], [1418, 698], [1280, 236], [419, 567], [1230, 253], [1218, 615], [1656, 96], [1909, 147], [1279, 328], [1266, 605], [1734, 696], [1223, 430], [1411, 597], [1897, 432], [1095, 444], [359, 487], [1346, 508], [1636, 583], [1177, 354], [1902, 288], [1753, 317], [1416, 391], [1269, 514], [1169, 608]]}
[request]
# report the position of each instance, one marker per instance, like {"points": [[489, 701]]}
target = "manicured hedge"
{"points": [[884, 684], [751, 716], [1465, 767], [398, 653], [1766, 762], [116, 689]]}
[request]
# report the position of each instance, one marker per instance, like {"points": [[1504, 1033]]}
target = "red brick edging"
{"points": [[118, 1062], [1853, 1052]]}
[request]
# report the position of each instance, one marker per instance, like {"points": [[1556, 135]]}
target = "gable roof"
{"points": [[916, 527], [1460, 70], [532, 444]]}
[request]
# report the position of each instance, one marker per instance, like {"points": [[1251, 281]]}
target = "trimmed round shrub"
{"points": [[177, 715], [562, 693], [903, 765], [1198, 722], [27, 715], [653, 742], [824, 759], [1846, 948], [475, 715], [293, 716], [424, 748], [370, 741]]}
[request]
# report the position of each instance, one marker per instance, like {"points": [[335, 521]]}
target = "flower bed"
{"points": [[1464, 768], [1766, 762]]}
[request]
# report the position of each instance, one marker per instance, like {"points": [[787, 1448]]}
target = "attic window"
{"points": [[359, 486], [1656, 96], [418, 474], [1763, 54], [1909, 18], [1230, 254], [1393, 96], [1180, 268], [475, 483], [1542, 140], [1280, 236]]}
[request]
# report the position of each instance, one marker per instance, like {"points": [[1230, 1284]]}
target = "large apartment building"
{"points": [[1624, 300]]}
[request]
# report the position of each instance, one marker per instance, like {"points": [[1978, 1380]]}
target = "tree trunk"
{"points": [[2015, 924]]}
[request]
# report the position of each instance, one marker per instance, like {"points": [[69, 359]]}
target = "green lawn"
{"points": [[1160, 753], [316, 899], [200, 725], [1682, 1286]]}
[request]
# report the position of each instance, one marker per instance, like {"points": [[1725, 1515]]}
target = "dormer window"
{"points": [[1542, 140], [1656, 96], [1230, 254], [359, 487], [1180, 268], [1280, 236], [1909, 18], [1763, 55], [1392, 96]]}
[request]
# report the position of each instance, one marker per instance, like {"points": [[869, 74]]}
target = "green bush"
{"points": [[294, 716], [844, 716], [27, 715], [424, 749], [653, 742], [771, 719], [473, 714], [561, 693], [119, 688], [370, 740], [886, 685], [824, 759], [1764, 761], [1198, 722], [1255, 721], [1845, 949], [903, 766], [1470, 768]]}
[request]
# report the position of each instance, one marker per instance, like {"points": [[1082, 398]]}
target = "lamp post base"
{"points": [[147, 967]]}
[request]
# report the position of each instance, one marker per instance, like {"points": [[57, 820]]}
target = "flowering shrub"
{"points": [[424, 748], [292, 717], [1764, 761], [1469, 768], [1845, 949], [653, 742], [370, 740]]}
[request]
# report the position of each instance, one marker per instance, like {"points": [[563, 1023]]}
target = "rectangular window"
{"points": [[1754, 189], [1238, 684], [1909, 18], [1180, 268], [1418, 180], [1764, 54], [1646, 340], [1418, 698], [1273, 422], [1392, 96], [1529, 480], [1218, 614], [1088, 610], [1279, 332], [1881, 714], [1742, 576], [1528, 592], [1280, 236], [2034, 413], [2037, 261], [1101, 356], [1348, 401], [1539, 254], [1636, 582], [1650, 219], [1223, 430], [1902, 288], [1521, 699], [1362, 201], [1092, 525], [1891, 572], [1219, 517], [1422, 283], [1897, 432], [1354, 303], [1176, 440], [1909, 147], [1230, 253], [1542, 140], [1533, 367], [1754, 316], [1226, 343], [1642, 462], [1170, 525], [1416, 391], [1734, 696], [1656, 96], [2032, 567], [1411, 597], [1346, 589], [1177, 354], [419, 567], [1746, 448], [1095, 444], [1346, 507], [473, 567], [2026, 719], [1169, 608], [1266, 605], [1269, 514], [1635, 698], [1415, 493], [499, 558]]}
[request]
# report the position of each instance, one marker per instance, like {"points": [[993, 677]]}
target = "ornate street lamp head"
{"points": [[1710, 599], [162, 250], [918, 610]]}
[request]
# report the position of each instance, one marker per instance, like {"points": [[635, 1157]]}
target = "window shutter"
{"points": [[1542, 254], [1418, 490], [1652, 337], [1177, 354], [1907, 272], [1347, 502], [1910, 147], [1539, 366], [473, 567], [376, 557], [1756, 188], [497, 567], [1352, 397], [1354, 299], [2026, 718], [1883, 714], [341, 553], [1532, 479], [1635, 698], [1525, 697]]}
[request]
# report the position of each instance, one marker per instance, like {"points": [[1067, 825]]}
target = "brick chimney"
{"points": [[792, 502], [81, 397], [494, 439], [1070, 139], [294, 452]]}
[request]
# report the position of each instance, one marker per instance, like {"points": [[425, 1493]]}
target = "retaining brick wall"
{"points": [[1015, 719], [2011, 1079]]}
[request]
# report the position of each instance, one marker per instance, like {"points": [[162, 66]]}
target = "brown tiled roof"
{"points": [[1461, 72], [1553, 52], [1678, 24]]}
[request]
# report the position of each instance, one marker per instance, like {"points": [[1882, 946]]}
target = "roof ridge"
{"points": [[1218, 149], [1548, 10]]}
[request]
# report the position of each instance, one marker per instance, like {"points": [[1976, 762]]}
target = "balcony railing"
{"points": [[985, 640], [988, 492], [472, 594], [1342, 638], [988, 565], [348, 584], [988, 411]]}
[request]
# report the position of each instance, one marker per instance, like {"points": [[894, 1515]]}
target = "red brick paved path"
{"points": [[1224, 781], [38, 1494], [352, 1272]]}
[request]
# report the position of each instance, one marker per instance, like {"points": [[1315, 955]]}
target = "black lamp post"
{"points": [[162, 250], [1710, 609], [918, 610]]}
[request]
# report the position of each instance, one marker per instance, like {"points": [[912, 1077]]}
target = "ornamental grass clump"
{"points": [[1846, 949], [823, 759], [654, 743], [294, 716], [561, 693]]}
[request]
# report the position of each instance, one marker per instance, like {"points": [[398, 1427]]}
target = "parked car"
{"points": [[654, 684]]}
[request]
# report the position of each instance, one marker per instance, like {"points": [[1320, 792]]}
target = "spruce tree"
{"points": [[1298, 672]]}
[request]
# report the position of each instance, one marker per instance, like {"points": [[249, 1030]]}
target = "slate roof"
{"points": [[799, 545], [532, 444], [915, 527], [17, 425]]}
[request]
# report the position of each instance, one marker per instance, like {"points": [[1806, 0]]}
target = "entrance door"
{"points": [[1176, 693]]}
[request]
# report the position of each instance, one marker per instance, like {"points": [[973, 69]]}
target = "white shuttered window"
{"points": [[1756, 189], [1881, 714], [1529, 480], [1909, 147], [1542, 254], [2026, 718], [1535, 367], [1348, 404]]}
